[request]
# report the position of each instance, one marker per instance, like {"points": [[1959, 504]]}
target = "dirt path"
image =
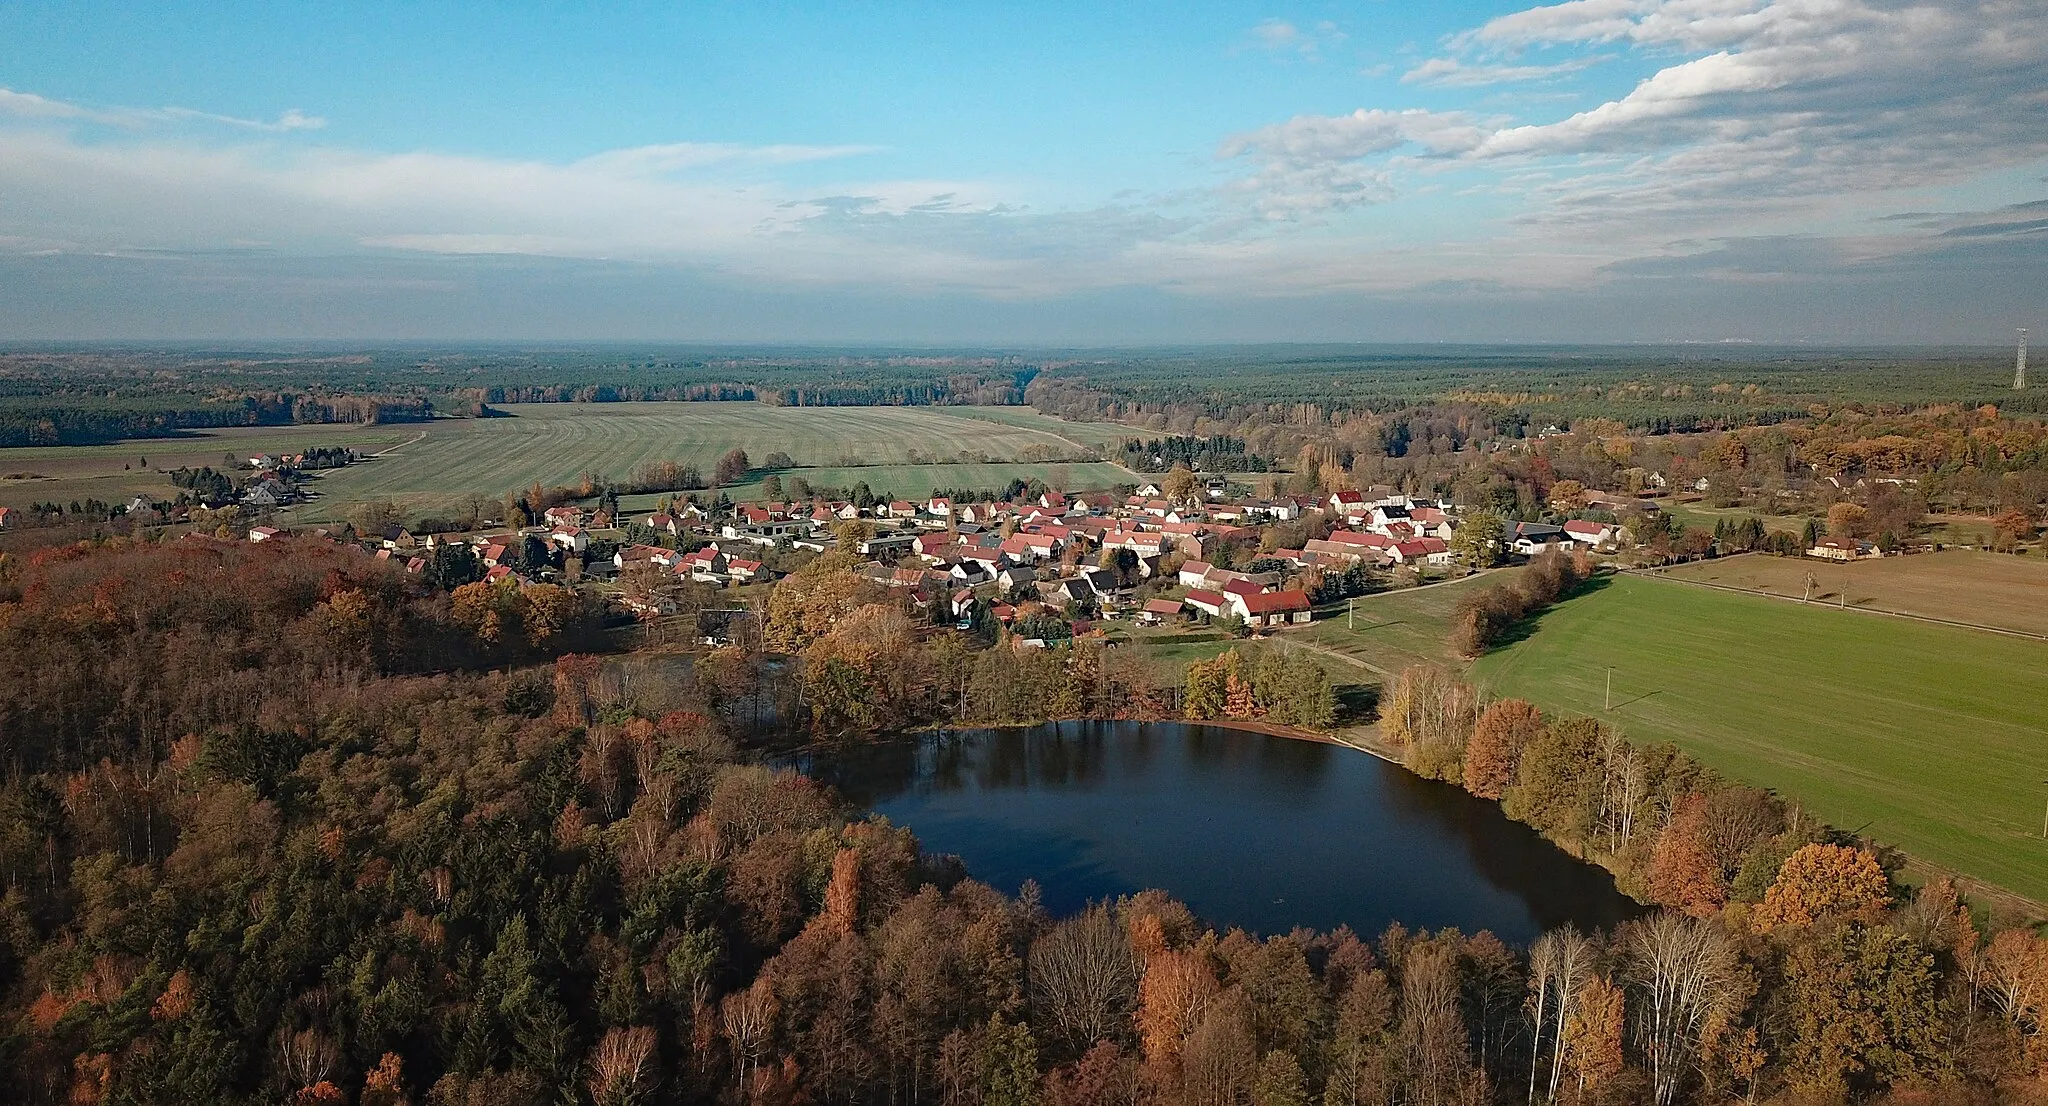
{"points": [[388, 450]]}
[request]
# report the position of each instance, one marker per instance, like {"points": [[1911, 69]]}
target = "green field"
{"points": [[904, 450], [1931, 738], [556, 443], [1394, 629]]}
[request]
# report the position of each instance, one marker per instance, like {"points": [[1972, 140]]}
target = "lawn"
{"points": [[1931, 738], [1960, 585]]}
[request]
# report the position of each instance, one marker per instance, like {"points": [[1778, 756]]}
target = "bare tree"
{"points": [[1561, 964], [622, 1066], [1432, 1031], [306, 1057], [748, 1017], [1084, 977], [1687, 973]]}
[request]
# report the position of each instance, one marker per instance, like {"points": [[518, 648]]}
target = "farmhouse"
{"points": [[1844, 549], [1273, 608], [1211, 603], [1531, 538], [1157, 611], [1590, 533]]}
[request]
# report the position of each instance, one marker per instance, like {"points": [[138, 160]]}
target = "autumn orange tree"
{"points": [[1493, 755], [1822, 881]]}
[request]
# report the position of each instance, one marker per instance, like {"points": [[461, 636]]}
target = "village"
{"points": [[1188, 550]]}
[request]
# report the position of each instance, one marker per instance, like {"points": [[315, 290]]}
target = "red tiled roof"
{"points": [[1273, 602]]}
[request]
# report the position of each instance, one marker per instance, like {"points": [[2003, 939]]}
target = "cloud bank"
{"points": [[1755, 124]]}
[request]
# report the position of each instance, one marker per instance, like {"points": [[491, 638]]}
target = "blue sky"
{"points": [[1595, 170]]}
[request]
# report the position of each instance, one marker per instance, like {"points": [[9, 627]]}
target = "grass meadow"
{"points": [[1931, 738]]}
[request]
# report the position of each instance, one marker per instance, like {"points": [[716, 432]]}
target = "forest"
{"points": [[283, 824]]}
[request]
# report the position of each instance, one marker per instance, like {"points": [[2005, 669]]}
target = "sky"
{"points": [[1823, 171]]}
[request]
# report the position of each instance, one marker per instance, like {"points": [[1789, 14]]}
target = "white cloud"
{"points": [[1452, 73], [1281, 36], [1773, 108], [28, 105]]}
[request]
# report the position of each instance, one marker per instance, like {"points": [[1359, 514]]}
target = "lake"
{"points": [[1266, 833]]}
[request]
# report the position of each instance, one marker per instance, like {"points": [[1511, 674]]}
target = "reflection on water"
{"points": [[1261, 832]]}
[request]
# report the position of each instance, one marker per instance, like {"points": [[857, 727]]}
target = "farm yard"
{"points": [[1958, 585], [1927, 737], [902, 450]]}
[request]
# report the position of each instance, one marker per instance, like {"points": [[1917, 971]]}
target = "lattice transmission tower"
{"points": [[2019, 372]]}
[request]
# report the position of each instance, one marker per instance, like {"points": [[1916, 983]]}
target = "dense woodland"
{"points": [[283, 824]]}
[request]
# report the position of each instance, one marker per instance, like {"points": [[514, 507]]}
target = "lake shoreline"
{"points": [[1100, 807]]}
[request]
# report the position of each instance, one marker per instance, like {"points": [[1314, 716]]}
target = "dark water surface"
{"points": [[1266, 833]]}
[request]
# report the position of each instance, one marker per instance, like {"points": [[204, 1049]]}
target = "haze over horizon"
{"points": [[1594, 171]]}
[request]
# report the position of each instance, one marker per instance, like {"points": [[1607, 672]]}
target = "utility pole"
{"points": [[2044, 821], [2019, 372], [1350, 603], [1607, 702]]}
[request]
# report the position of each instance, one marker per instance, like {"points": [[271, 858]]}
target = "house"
{"points": [[1062, 592], [1347, 503], [495, 553], [664, 523], [1620, 504], [1157, 611], [1531, 538], [571, 538], [1384, 516], [1273, 608], [963, 602], [1101, 581], [563, 516], [624, 558], [1434, 551], [1844, 549], [1137, 541], [1239, 585], [1016, 576], [261, 497], [1211, 603], [890, 544], [1432, 522], [1193, 573], [1032, 547], [264, 533], [7, 516], [1590, 533]]}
